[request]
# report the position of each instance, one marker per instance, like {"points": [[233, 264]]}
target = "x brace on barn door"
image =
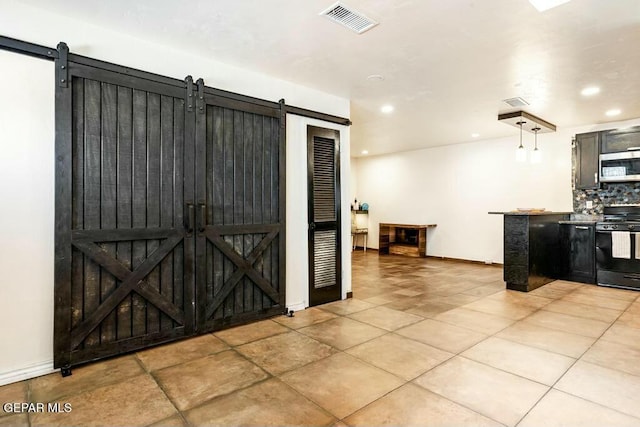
{"points": [[131, 281], [245, 266]]}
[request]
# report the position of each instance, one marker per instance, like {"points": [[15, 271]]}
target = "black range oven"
{"points": [[618, 247]]}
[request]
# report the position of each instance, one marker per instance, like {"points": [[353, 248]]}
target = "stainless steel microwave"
{"points": [[620, 167]]}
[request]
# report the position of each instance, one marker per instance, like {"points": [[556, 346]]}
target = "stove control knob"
{"points": [[631, 227], [605, 227], [614, 226]]}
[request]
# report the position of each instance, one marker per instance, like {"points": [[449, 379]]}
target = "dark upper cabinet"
{"points": [[587, 156], [617, 140], [579, 252]]}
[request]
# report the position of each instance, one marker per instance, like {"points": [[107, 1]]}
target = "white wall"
{"points": [[26, 290], [353, 181], [455, 186], [26, 216], [298, 212]]}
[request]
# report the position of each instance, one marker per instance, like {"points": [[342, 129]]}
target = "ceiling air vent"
{"points": [[354, 21], [516, 102]]}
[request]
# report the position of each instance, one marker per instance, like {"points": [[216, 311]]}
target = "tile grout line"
{"points": [[155, 380], [206, 401], [411, 381], [579, 358]]}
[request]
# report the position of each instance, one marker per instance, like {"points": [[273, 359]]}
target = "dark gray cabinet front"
{"points": [[619, 140], [579, 243], [587, 156]]}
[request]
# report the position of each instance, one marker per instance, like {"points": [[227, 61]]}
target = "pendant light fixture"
{"points": [[536, 156], [521, 153], [530, 123]]}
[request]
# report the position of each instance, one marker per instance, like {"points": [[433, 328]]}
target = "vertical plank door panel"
{"points": [[139, 212], [108, 212], [167, 192], [77, 210], [153, 199], [92, 197], [124, 179]]}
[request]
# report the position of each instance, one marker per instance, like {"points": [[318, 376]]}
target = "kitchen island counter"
{"points": [[532, 250]]}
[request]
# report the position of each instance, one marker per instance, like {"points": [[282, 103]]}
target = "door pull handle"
{"points": [[581, 227], [190, 219], [202, 218]]}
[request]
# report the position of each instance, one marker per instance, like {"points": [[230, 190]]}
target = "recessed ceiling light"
{"points": [[543, 5], [613, 112], [591, 90], [375, 77], [364, 152], [386, 108], [475, 135]]}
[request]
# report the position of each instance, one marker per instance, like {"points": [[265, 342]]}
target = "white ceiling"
{"points": [[447, 64]]}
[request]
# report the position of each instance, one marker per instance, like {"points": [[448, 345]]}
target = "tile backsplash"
{"points": [[609, 193]]}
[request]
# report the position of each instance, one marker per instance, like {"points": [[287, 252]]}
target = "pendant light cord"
{"points": [[535, 132], [521, 123]]}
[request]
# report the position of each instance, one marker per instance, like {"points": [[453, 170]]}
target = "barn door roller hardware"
{"points": [[62, 65], [200, 100], [189, 83]]}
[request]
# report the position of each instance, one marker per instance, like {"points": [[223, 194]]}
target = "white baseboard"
{"points": [[32, 371], [297, 306]]}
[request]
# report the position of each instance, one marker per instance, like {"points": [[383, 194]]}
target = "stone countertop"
{"points": [[586, 217], [534, 213]]}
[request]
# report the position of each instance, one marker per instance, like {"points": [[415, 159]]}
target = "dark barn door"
{"points": [[324, 215], [240, 197], [123, 258], [169, 210]]}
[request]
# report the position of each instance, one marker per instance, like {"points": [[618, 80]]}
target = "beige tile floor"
{"points": [[423, 342]]}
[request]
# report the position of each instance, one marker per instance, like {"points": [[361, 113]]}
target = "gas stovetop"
{"points": [[620, 218], [621, 213]]}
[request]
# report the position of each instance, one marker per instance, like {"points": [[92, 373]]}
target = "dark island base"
{"points": [[527, 287], [532, 249]]}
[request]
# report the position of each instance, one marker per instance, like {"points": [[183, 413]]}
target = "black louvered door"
{"points": [[324, 214]]}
